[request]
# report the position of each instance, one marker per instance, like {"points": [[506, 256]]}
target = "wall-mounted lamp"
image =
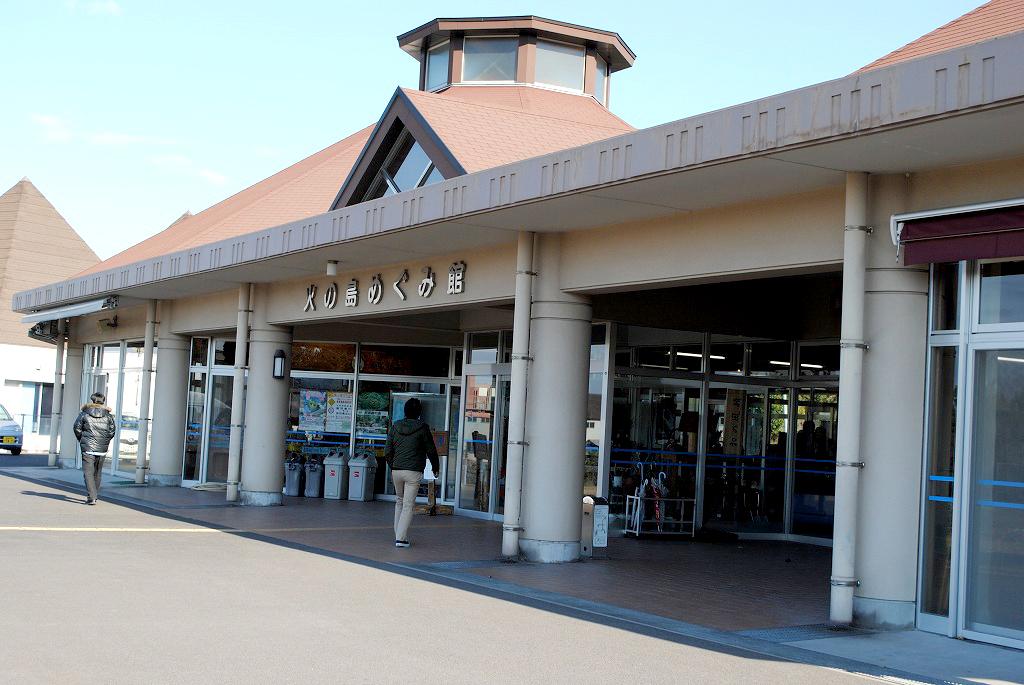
{"points": [[279, 364], [332, 267]]}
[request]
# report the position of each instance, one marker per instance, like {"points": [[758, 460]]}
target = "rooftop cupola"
{"points": [[516, 51]]}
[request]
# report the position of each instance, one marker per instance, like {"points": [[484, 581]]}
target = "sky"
{"points": [[127, 113]]}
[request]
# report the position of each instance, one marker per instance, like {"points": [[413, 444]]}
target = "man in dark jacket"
{"points": [[94, 429], [409, 446]]}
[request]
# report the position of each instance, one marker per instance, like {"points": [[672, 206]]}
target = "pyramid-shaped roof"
{"points": [[991, 20], [37, 246]]}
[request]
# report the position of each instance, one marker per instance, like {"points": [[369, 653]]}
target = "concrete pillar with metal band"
{"points": [[71, 405], [142, 456], [266, 407], [892, 425], [851, 364], [516, 447], [556, 413], [56, 401], [170, 397], [238, 391]]}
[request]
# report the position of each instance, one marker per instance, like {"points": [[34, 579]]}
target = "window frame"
{"points": [[446, 81], [515, 61], [558, 86]]}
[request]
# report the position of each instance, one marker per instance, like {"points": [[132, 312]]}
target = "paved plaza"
{"points": [[314, 591]]}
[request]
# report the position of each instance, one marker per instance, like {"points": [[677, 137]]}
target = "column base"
{"points": [[162, 480], [249, 498], [548, 552], [883, 614], [71, 463]]}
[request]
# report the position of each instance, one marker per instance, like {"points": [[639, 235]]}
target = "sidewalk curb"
{"points": [[596, 612]]}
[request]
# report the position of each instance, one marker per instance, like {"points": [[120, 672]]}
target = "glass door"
{"points": [[484, 424], [992, 590], [219, 431], [207, 427], [745, 466]]}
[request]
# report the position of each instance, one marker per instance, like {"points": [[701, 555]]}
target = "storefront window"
{"points": [[938, 506], [1002, 292], [200, 351], [483, 348], [319, 417], [818, 360], [326, 357], [726, 358], [945, 296], [223, 352], [479, 437], [689, 357], [654, 357], [770, 359], [404, 361]]}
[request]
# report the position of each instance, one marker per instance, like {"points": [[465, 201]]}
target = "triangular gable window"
{"points": [[404, 167]]}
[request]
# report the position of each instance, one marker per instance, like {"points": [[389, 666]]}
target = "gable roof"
{"points": [[304, 189], [37, 246], [470, 128], [991, 20]]}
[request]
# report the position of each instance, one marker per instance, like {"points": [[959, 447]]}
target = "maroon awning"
{"points": [[973, 235]]}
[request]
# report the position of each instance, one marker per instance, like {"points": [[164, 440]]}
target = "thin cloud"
{"points": [[185, 165], [213, 177], [113, 138], [54, 129]]}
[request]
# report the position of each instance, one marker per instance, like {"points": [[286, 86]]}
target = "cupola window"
{"points": [[489, 59], [437, 67], [406, 167], [560, 64], [601, 82]]}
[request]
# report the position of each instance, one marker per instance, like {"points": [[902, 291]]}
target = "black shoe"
{"points": [[401, 543]]}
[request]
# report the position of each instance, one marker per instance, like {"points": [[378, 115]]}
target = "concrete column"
{"points": [[167, 445], [147, 384], [56, 401], [556, 413], [515, 444], [71, 405], [266, 408], [851, 362], [238, 392], [895, 326]]}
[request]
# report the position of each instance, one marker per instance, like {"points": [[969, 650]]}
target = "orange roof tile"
{"points": [[487, 126], [303, 189], [991, 20]]}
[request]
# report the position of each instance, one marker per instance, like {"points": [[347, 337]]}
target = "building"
{"points": [[798, 318], [36, 245]]}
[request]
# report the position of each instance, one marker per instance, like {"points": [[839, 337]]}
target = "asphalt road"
{"points": [[111, 594]]}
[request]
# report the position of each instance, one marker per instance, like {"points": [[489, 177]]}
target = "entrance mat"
{"points": [[814, 631]]}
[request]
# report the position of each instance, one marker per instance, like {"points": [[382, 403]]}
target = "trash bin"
{"points": [[293, 477], [595, 525], [361, 472], [314, 478], [335, 478]]}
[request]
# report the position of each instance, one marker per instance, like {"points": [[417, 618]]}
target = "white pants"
{"points": [[407, 484]]}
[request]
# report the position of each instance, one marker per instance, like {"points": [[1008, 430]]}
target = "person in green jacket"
{"points": [[410, 444]]}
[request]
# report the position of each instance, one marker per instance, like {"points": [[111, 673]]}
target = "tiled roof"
{"points": [[37, 246], [487, 126], [991, 20], [482, 127], [304, 189]]}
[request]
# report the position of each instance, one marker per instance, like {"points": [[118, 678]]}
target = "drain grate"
{"points": [[814, 631]]}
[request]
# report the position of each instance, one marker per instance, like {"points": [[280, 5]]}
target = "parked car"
{"points": [[11, 436]]}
